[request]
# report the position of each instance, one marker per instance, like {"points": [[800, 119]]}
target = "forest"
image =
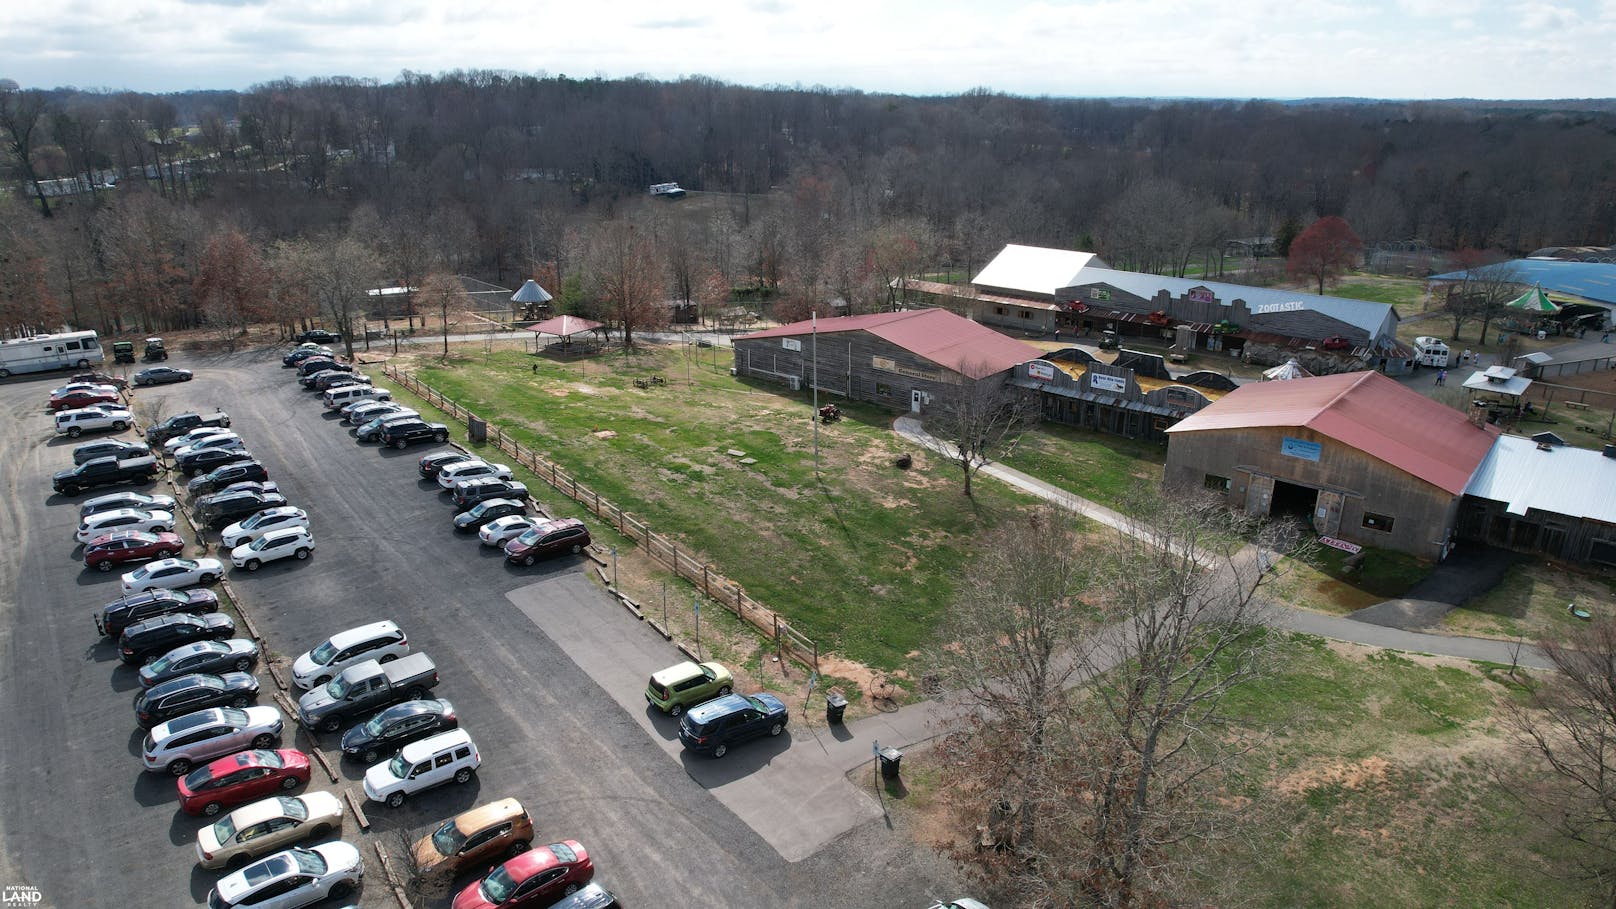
{"points": [[218, 207]]}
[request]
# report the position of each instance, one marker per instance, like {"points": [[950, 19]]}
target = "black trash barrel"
{"points": [[890, 759], [477, 429], [835, 706]]}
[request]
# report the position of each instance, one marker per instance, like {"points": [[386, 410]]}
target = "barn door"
{"points": [[1327, 512], [1259, 495]]}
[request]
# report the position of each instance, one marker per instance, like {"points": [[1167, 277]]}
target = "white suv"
{"points": [[277, 544], [471, 470], [379, 641], [93, 419], [296, 877], [448, 757], [181, 743]]}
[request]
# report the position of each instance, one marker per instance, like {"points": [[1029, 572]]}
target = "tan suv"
{"points": [[497, 830]]}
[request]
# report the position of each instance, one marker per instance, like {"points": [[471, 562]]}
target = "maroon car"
{"points": [[76, 399], [548, 538], [122, 546], [242, 777]]}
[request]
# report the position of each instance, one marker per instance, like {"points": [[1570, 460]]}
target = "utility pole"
{"points": [[814, 381]]}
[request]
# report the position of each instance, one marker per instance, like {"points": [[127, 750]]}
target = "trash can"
{"points": [[835, 706], [890, 759], [477, 429]]}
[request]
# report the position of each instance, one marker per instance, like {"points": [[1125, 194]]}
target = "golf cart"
{"points": [[123, 351], [155, 350]]}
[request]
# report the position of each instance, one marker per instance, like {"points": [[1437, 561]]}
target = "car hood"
{"points": [[379, 778], [774, 704], [239, 681], [356, 738], [304, 666], [465, 519], [315, 699]]}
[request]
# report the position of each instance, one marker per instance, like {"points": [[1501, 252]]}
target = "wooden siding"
{"points": [[854, 364], [1556, 535]]}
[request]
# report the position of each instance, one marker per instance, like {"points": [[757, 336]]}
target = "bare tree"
{"points": [[1488, 283], [21, 113], [625, 274], [980, 419], [232, 285], [446, 293], [344, 270], [1569, 722]]}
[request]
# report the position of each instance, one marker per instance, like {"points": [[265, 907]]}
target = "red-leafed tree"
{"points": [[232, 285], [1324, 251]]}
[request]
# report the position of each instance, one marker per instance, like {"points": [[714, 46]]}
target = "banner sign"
{"points": [[1040, 370], [1114, 384], [1301, 448], [1342, 545]]}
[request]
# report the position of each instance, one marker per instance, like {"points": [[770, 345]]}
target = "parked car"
{"points": [[380, 641], [107, 471], [430, 464], [120, 546], [477, 515], [77, 398], [340, 396], [100, 378], [292, 358], [181, 423], [192, 692], [181, 743], [220, 477], [385, 733], [209, 458], [963, 902], [261, 522], [92, 387], [500, 531], [308, 378], [371, 431], [589, 896], [318, 336], [148, 640], [265, 826], [295, 542], [1337, 342], [448, 757], [104, 522], [469, 839], [138, 501], [405, 433], [234, 503], [364, 687], [109, 448], [241, 777], [201, 435], [468, 493], [173, 573], [358, 413], [471, 470], [537, 877], [162, 375], [235, 654], [687, 684], [74, 423], [119, 614], [546, 539], [296, 877], [336, 378], [714, 727], [313, 365]]}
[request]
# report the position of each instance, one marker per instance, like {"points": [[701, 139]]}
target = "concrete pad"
{"points": [[1403, 613], [791, 790]]}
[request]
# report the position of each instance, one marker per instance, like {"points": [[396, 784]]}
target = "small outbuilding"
{"points": [[1540, 495]]}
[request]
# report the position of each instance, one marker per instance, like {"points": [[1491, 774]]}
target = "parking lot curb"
{"points": [[630, 605], [287, 705], [392, 880], [274, 673], [666, 634], [325, 763], [687, 652], [594, 557], [359, 813], [604, 579]]}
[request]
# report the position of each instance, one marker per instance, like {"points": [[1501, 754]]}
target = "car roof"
{"points": [[211, 716], [360, 633], [425, 748], [717, 707], [118, 536], [469, 822]]}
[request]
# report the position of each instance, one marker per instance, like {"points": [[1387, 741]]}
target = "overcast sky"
{"points": [[1196, 48]]}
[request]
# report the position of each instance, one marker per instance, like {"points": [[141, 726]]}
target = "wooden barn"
{"points": [[1356, 455], [1135, 396], [1541, 495], [900, 359]]}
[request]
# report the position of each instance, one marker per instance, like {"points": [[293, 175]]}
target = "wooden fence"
{"points": [[681, 561]]}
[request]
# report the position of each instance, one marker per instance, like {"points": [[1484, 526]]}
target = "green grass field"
{"points": [[1321, 582], [1094, 465]]}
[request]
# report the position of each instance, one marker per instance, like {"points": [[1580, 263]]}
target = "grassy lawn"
{"points": [[1094, 465], [1406, 294], [863, 558], [1321, 583], [1376, 791], [1531, 602]]}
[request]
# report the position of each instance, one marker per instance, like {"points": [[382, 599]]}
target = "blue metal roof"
{"points": [[1593, 281], [1377, 320]]}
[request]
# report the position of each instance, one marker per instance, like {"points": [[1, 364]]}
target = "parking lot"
{"points": [[83, 823]]}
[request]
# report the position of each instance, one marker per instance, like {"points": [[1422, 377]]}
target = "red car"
{"points": [[76, 399], [242, 777], [537, 877], [548, 538], [1336, 342], [121, 546]]}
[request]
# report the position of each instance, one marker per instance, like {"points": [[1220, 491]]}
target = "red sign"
{"points": [[1342, 545]]}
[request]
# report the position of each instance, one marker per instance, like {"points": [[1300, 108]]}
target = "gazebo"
{"points": [[564, 327], [1290, 369], [532, 301]]}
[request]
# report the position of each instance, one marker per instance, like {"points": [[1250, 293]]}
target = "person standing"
{"points": [[1441, 377]]}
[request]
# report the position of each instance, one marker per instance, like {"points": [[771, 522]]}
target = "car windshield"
{"points": [[253, 521], [480, 509], [563, 853], [294, 808], [198, 778], [376, 724], [529, 537], [233, 716], [448, 839], [323, 653], [261, 543], [308, 861], [398, 767], [498, 886], [223, 831], [336, 688]]}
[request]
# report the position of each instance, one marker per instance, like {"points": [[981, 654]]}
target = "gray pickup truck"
{"points": [[107, 471], [365, 688]]}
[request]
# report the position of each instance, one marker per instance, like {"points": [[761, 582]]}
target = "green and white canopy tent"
{"points": [[1534, 301]]}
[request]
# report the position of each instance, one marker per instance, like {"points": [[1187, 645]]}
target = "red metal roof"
{"points": [[1364, 410], [950, 341]]}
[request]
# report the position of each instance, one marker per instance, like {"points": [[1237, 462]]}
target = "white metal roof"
{"points": [[1576, 482], [1511, 385], [1035, 269]]}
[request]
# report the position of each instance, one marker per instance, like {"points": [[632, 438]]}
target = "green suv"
{"points": [[686, 685]]}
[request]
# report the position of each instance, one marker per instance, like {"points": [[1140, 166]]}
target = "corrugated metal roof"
{"points": [[1594, 281], [1571, 481], [1035, 269], [967, 292], [1364, 410], [952, 342], [1375, 319]]}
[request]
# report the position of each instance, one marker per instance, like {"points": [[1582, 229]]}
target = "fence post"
{"points": [[706, 588]]}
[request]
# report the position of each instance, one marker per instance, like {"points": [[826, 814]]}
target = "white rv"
{"points": [[1431, 352]]}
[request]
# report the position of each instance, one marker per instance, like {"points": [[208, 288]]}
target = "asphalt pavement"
{"points": [[81, 821]]}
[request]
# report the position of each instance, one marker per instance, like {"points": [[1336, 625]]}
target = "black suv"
{"points": [[182, 423], [145, 641], [314, 364], [220, 477], [475, 517], [190, 693], [437, 460], [221, 508], [405, 432], [138, 607], [472, 492], [318, 336], [209, 458]]}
